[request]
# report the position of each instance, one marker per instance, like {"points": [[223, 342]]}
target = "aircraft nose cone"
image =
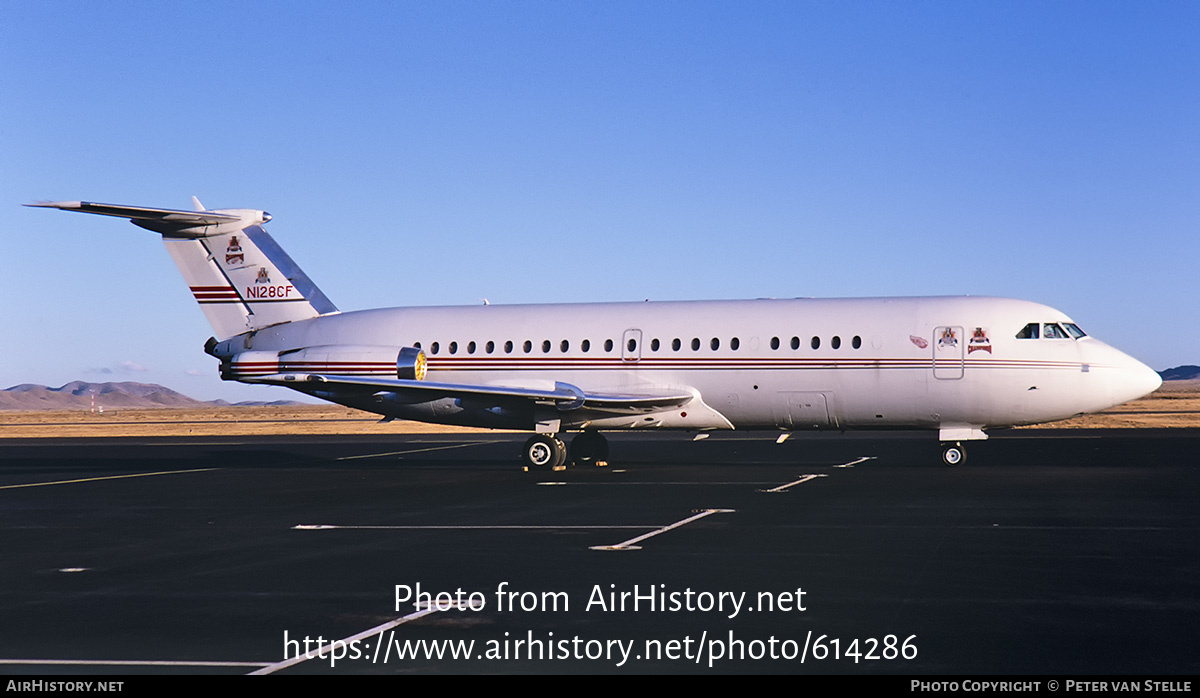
{"points": [[1138, 380], [1151, 381]]}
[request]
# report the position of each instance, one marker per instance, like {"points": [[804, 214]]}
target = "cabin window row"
{"points": [[564, 346]]}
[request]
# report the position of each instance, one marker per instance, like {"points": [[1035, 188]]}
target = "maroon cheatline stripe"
{"points": [[690, 363], [664, 363]]}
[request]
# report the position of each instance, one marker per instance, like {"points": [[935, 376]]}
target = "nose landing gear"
{"points": [[953, 454]]}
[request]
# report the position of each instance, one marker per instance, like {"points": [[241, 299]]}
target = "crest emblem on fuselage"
{"points": [[979, 341], [947, 340]]}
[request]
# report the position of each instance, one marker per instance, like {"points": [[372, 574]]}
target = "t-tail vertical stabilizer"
{"points": [[242, 278]]}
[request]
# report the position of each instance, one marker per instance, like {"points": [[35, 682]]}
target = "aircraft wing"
{"points": [[565, 396]]}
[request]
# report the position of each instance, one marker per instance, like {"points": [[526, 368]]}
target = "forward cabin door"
{"points": [[949, 352]]}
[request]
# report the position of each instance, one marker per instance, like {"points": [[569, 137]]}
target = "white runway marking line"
{"points": [[324, 649], [480, 527], [106, 477], [803, 478], [125, 662], [414, 450], [806, 478], [651, 482], [631, 544]]}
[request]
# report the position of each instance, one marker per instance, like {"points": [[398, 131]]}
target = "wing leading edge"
{"points": [[565, 397]]}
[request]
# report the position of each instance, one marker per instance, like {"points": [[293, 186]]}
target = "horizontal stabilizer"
{"points": [[141, 213]]}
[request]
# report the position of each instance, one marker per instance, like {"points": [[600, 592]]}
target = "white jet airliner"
{"points": [[959, 365]]}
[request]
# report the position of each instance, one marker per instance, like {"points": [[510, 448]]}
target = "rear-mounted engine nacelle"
{"points": [[250, 364], [330, 360]]}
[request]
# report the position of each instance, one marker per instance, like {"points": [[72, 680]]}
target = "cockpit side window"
{"points": [[1073, 330], [1051, 330], [1029, 331]]}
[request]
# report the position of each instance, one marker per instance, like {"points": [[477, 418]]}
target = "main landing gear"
{"points": [[544, 450], [953, 454], [547, 450]]}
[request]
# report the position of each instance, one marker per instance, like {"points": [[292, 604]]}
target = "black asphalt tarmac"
{"points": [[1049, 552]]}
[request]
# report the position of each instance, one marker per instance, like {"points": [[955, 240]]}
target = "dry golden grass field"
{"points": [[1175, 405], [207, 421]]}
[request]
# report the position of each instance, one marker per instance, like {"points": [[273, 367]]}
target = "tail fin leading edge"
{"points": [[242, 278]]}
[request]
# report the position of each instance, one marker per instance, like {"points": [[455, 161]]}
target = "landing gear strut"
{"points": [[542, 450], [953, 454]]}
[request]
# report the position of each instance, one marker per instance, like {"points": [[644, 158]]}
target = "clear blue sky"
{"points": [[443, 152]]}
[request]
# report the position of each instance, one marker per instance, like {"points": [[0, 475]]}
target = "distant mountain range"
{"points": [[1180, 373], [78, 395]]}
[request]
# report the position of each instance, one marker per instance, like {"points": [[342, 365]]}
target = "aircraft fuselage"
{"points": [[761, 364]]}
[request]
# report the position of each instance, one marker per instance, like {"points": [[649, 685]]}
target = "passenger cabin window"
{"points": [[856, 342], [585, 345], [528, 346], [836, 342], [1029, 331], [546, 346], [695, 344], [654, 344], [608, 345], [795, 343], [816, 342], [774, 342], [490, 347], [1051, 330], [433, 348], [675, 344], [508, 347], [565, 346]]}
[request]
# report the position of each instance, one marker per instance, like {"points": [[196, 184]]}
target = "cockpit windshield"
{"points": [[1073, 330], [1051, 330]]}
